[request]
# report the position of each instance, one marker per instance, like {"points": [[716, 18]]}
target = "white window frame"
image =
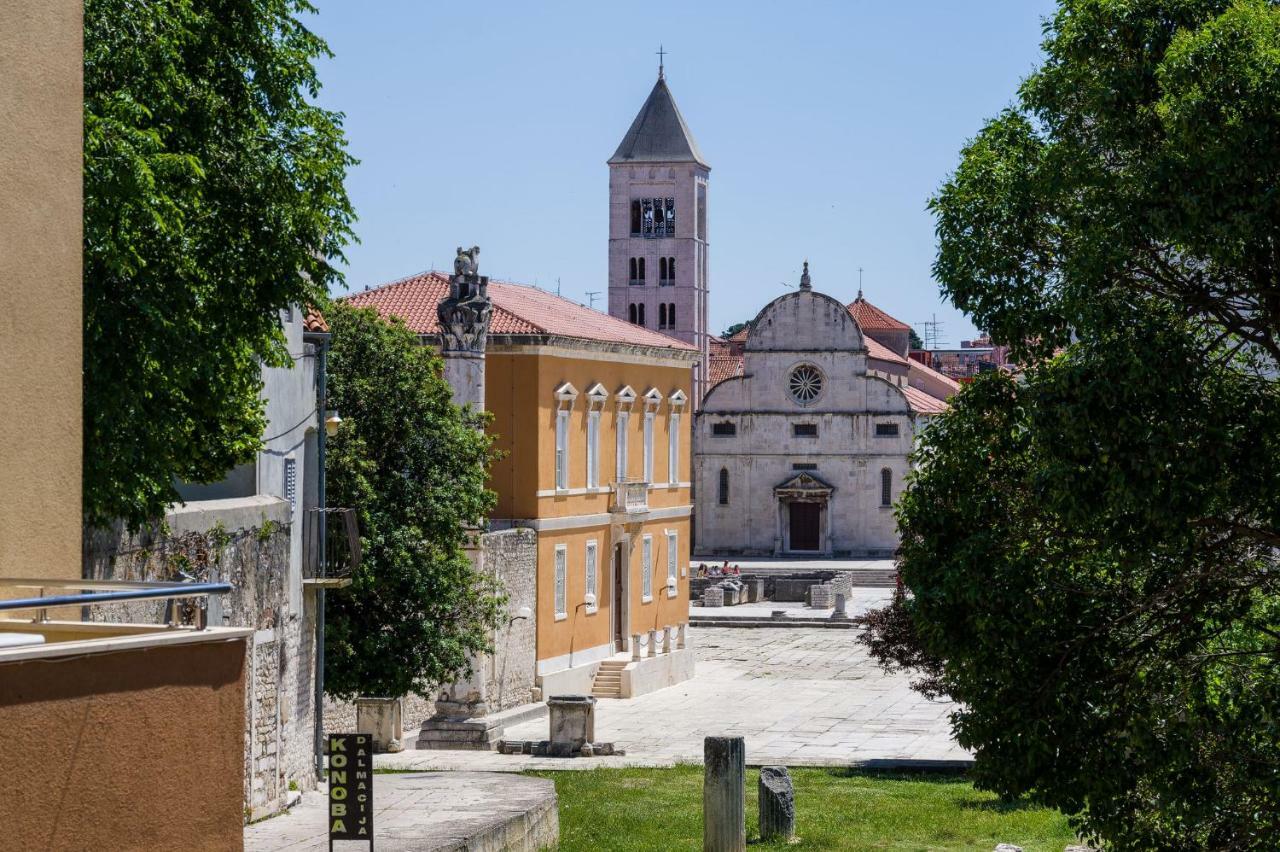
{"points": [[673, 448], [625, 396], [592, 567], [646, 569], [593, 449], [562, 449], [561, 580], [596, 398], [648, 447], [673, 562], [565, 395]]}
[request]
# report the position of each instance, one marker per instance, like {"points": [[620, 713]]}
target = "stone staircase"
{"points": [[608, 681]]}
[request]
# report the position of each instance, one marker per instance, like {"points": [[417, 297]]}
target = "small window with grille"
{"points": [[805, 430], [724, 428], [886, 430]]}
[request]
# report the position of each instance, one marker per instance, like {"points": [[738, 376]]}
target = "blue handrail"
{"points": [[177, 590]]}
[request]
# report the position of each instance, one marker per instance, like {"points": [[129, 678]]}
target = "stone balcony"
{"points": [[630, 497]]}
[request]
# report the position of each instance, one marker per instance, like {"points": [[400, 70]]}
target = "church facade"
{"points": [[804, 449]]}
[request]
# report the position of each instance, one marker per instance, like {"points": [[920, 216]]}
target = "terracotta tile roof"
{"points": [[721, 367], [922, 403], [871, 317], [881, 352], [517, 309], [740, 335], [314, 320], [915, 366]]}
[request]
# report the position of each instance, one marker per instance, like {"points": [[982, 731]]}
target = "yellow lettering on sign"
{"points": [[337, 778], [337, 761], [336, 744], [338, 793], [339, 827], [337, 809]]}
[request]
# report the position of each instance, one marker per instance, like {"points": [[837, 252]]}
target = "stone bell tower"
{"points": [[464, 329], [658, 227]]}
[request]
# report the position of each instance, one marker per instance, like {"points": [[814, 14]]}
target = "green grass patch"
{"points": [[661, 809]]}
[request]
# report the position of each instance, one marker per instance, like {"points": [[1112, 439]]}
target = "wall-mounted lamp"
{"points": [[589, 599], [331, 423], [521, 614]]}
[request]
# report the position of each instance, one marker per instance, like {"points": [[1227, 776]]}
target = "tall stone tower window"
{"points": [[886, 487], [653, 217], [666, 271], [724, 487], [637, 270]]}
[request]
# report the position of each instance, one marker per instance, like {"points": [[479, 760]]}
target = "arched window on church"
{"points": [[641, 310], [671, 315], [724, 486], [671, 269], [662, 315], [635, 217], [662, 269], [634, 269], [631, 312], [641, 275], [886, 487]]}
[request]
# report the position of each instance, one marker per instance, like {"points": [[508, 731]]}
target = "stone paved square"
{"points": [[800, 696]]}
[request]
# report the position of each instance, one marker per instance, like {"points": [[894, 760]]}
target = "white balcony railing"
{"points": [[630, 497]]}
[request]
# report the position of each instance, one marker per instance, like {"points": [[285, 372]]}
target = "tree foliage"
{"points": [[414, 467], [213, 198], [1090, 551], [734, 329]]}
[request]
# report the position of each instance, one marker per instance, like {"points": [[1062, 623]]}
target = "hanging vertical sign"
{"points": [[350, 788]]}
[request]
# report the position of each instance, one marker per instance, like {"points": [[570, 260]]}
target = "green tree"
{"points": [[213, 198], [414, 466], [1090, 552], [734, 329], [914, 340]]}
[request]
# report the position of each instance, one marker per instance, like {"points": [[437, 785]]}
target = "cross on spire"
{"points": [[661, 55]]}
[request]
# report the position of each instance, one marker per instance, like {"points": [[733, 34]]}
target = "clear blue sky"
{"points": [[827, 127]]}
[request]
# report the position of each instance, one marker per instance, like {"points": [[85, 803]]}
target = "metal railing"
{"points": [[331, 544], [108, 591]]}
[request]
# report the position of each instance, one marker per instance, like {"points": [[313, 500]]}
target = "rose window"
{"points": [[805, 384]]}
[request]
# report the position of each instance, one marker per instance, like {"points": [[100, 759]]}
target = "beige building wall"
{"points": [[41, 154]]}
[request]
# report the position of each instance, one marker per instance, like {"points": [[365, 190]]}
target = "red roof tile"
{"points": [[721, 367], [922, 403], [878, 350], [314, 320], [517, 309], [871, 317], [740, 335]]}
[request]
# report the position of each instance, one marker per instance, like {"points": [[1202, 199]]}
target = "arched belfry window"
{"points": [[671, 315], [640, 309], [662, 315], [886, 487], [724, 486], [631, 313]]}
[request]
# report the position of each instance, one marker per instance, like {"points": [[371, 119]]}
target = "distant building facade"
{"points": [[801, 446]]}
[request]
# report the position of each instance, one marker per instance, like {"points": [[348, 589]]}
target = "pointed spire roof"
{"points": [[659, 134]]}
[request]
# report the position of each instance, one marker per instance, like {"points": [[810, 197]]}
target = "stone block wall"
{"points": [[245, 542], [511, 556]]}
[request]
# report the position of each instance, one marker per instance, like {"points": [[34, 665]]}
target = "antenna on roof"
{"points": [[591, 297], [931, 334]]}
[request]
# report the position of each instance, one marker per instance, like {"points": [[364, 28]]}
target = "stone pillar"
{"points": [[680, 635], [653, 643], [777, 804], [464, 316], [635, 646], [464, 329], [666, 640], [724, 794]]}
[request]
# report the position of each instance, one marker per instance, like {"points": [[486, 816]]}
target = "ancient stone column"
{"points": [[777, 804], [724, 794], [464, 329], [461, 707]]}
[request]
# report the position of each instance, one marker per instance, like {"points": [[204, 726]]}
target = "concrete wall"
{"points": [[41, 108], [512, 557], [129, 749], [246, 543]]}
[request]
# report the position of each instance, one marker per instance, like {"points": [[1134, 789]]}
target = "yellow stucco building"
{"points": [[592, 418]]}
